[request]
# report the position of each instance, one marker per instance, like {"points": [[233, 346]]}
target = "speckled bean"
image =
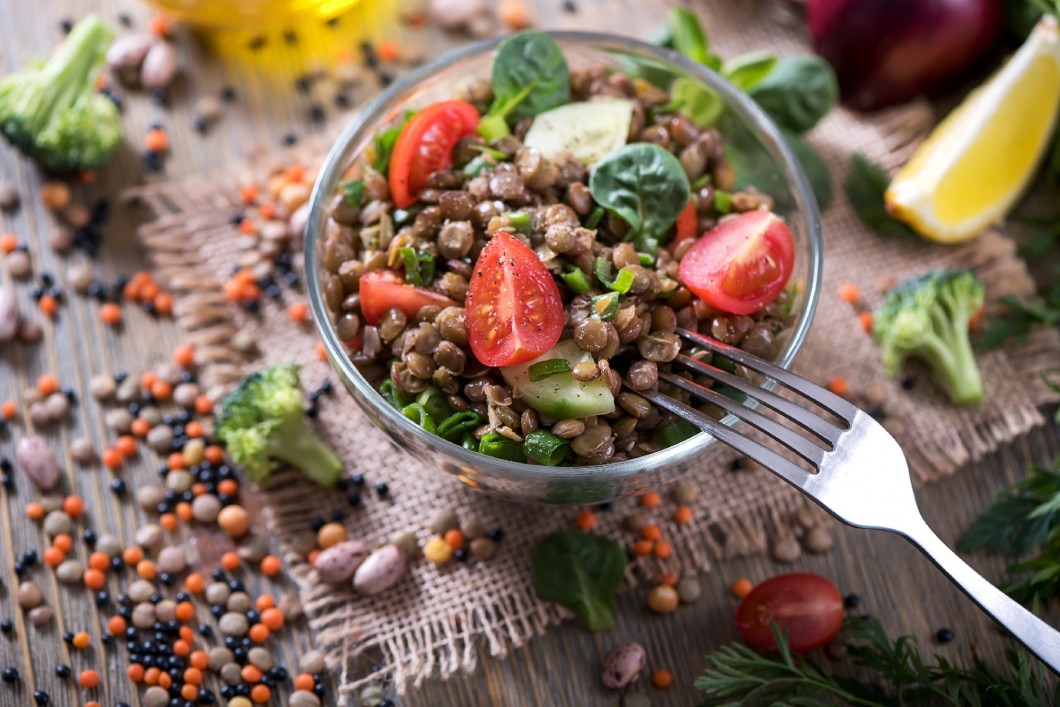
{"points": [[38, 461], [338, 563], [380, 571], [622, 667], [8, 313]]}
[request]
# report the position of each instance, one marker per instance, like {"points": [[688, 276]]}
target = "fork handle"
{"points": [[1040, 638]]}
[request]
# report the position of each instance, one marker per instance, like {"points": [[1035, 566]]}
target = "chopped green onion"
{"points": [[434, 402], [458, 424], [418, 414], [468, 441], [702, 181], [475, 166], [520, 221], [623, 281], [493, 127], [492, 152], [725, 364], [676, 432], [391, 395], [796, 290], [497, 445], [543, 369], [354, 190], [645, 259], [602, 268], [595, 217], [722, 201], [604, 306], [544, 447], [419, 267], [576, 280]]}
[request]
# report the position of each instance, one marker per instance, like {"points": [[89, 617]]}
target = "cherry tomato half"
{"points": [[806, 606], [684, 226], [514, 313], [383, 289], [742, 264], [425, 146]]}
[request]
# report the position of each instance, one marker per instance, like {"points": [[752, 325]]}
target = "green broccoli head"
{"points": [[262, 421], [927, 317], [53, 112]]}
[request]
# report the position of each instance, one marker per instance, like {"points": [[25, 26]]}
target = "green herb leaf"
{"points": [[495, 154], [798, 92], [646, 186], [354, 191], [530, 76], [864, 188], [384, 142], [897, 674], [689, 38], [1016, 323], [476, 165], [582, 572], [696, 101], [746, 70], [546, 448]]}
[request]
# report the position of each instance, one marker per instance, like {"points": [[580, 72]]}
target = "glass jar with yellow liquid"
{"points": [[247, 14]]}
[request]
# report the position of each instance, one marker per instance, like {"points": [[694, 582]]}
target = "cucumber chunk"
{"points": [[561, 396], [590, 130]]}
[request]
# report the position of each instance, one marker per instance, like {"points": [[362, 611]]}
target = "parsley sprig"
{"points": [[739, 675]]}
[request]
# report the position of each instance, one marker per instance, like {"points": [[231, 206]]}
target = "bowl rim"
{"points": [[521, 472]]}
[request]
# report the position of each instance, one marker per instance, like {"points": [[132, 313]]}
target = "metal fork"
{"points": [[862, 476]]}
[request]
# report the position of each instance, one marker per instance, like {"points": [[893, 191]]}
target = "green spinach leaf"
{"points": [[384, 142], [582, 572], [797, 92], [645, 185], [529, 77], [696, 101], [688, 36], [816, 170], [864, 188], [746, 70]]}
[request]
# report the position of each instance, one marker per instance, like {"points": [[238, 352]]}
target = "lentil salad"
{"points": [[509, 279]]}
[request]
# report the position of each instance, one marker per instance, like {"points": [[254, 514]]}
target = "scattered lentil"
{"points": [[444, 521], [40, 615], [205, 508], [57, 522], [235, 521], [28, 595], [172, 560], [689, 590], [69, 572], [149, 536], [662, 599], [683, 493], [817, 540], [483, 548], [304, 698], [786, 550]]}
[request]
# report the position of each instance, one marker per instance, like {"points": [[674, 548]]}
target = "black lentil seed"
{"points": [[125, 19], [290, 37], [206, 630], [7, 481], [30, 557], [357, 479], [569, 6], [6, 626], [319, 689], [118, 487], [106, 638], [353, 498], [20, 568], [382, 488], [944, 635], [159, 96], [5, 464], [908, 383], [102, 598], [199, 123], [303, 84], [737, 464], [851, 601], [496, 535], [312, 411], [66, 24], [68, 637], [316, 113], [604, 506], [10, 675], [279, 673], [386, 703], [63, 671], [257, 42], [342, 100], [41, 697], [228, 94], [89, 536], [289, 139], [460, 554], [236, 586]]}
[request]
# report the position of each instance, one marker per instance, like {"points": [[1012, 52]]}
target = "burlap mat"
{"points": [[434, 622]]}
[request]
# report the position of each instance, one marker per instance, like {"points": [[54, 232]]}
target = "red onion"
{"points": [[890, 51]]}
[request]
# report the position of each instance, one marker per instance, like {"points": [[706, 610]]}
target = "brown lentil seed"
{"points": [[82, 450], [483, 548], [140, 591], [231, 674], [143, 615], [40, 615], [312, 662], [568, 429], [683, 493], [585, 371], [156, 696], [786, 550], [817, 540], [304, 698], [166, 610], [662, 599], [689, 589], [217, 593], [233, 624], [239, 602], [260, 658], [172, 560], [56, 523], [635, 405]]}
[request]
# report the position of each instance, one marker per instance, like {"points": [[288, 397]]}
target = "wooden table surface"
{"points": [[894, 581]]}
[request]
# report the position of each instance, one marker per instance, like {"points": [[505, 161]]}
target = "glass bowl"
{"points": [[765, 154]]}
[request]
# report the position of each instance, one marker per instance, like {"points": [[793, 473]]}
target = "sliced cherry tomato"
{"points": [[742, 264], [425, 146], [806, 606], [514, 313], [684, 226], [383, 289]]}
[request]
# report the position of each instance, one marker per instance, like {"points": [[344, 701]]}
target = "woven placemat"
{"points": [[435, 621]]}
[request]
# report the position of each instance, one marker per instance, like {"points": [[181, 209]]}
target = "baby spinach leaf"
{"points": [[864, 188], [748, 69], [384, 142], [529, 77], [814, 167], [644, 185], [582, 572], [798, 92], [688, 36], [696, 101]]}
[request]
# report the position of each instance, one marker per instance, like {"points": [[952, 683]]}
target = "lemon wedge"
{"points": [[976, 163]]}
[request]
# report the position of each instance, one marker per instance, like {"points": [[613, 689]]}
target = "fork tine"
{"points": [[765, 456], [825, 398], [786, 436], [820, 427]]}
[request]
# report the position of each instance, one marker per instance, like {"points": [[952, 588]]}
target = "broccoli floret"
{"points": [[53, 112], [263, 420], [927, 317]]}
